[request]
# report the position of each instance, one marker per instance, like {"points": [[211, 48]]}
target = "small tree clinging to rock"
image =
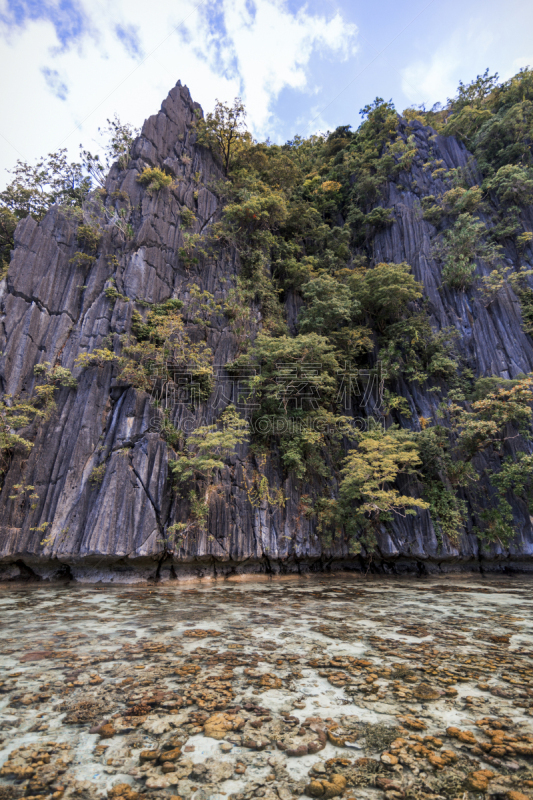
{"points": [[224, 131]]}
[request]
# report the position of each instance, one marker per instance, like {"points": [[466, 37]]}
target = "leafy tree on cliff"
{"points": [[120, 138], [224, 131], [52, 179]]}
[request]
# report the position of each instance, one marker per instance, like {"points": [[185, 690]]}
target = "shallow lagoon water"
{"points": [[347, 686]]}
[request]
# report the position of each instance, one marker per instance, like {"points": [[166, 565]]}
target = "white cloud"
{"points": [[313, 122], [435, 79], [517, 64], [127, 57], [273, 47]]}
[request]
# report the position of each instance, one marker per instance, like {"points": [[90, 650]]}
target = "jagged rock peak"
{"points": [[163, 134]]}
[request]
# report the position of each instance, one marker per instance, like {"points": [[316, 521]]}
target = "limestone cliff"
{"points": [[54, 309]]}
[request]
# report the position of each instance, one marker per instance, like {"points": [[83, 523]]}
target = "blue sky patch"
{"points": [[54, 82], [129, 36], [300, 66], [67, 17]]}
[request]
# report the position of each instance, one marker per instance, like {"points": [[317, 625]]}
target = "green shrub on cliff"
{"points": [[384, 291], [8, 223], [224, 131], [367, 493], [154, 179], [17, 413], [117, 148], [459, 248], [203, 454], [207, 448], [51, 180], [513, 184], [89, 237], [330, 306]]}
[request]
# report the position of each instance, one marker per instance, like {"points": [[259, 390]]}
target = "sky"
{"points": [[300, 67]]}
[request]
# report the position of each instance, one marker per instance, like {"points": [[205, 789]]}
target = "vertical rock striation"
{"points": [[54, 309]]}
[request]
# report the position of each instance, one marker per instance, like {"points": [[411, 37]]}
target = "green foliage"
{"points": [[524, 240], [396, 403], [458, 249], [376, 220], [82, 260], [443, 473], [157, 348], [508, 224], [238, 309], [494, 282], [515, 477], [488, 386], [513, 184], [254, 215], [51, 180], [330, 306], [462, 201], [440, 463], [166, 308], [200, 307], [89, 237], [251, 222], [367, 495], [187, 217], [97, 475], [207, 448], [13, 416], [331, 310], [504, 277], [448, 512], [494, 120], [366, 159], [294, 391], [224, 131], [167, 344], [283, 213], [117, 149], [192, 248], [258, 489], [143, 331], [112, 294], [17, 413], [485, 425], [525, 296], [21, 490], [154, 179], [298, 355], [413, 350], [269, 162], [55, 375], [431, 210], [96, 358], [474, 94], [384, 291], [8, 223], [498, 525], [205, 453], [505, 137]]}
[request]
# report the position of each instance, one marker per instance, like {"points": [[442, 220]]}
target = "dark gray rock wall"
{"points": [[53, 310]]}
